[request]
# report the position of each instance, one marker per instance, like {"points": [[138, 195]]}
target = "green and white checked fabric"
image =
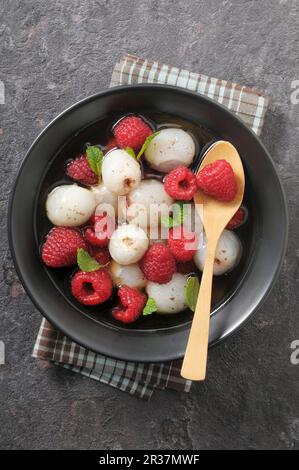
{"points": [[141, 379], [249, 104], [138, 379]]}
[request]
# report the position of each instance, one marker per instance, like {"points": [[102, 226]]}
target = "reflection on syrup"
{"points": [[149, 173]]}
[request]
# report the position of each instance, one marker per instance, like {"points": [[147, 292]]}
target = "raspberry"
{"points": [[158, 264], [101, 232], [133, 301], [180, 183], [92, 288], [218, 180], [92, 238], [102, 255], [182, 243], [111, 144], [61, 246], [95, 217], [131, 131], [237, 219], [79, 170]]}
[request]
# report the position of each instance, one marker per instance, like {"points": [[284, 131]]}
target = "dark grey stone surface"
{"points": [[51, 55]]}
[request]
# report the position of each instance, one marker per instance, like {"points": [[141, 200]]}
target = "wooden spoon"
{"points": [[215, 216]]}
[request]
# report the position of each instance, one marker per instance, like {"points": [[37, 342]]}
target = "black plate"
{"points": [[256, 277]]}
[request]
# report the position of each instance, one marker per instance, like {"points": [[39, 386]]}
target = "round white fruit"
{"points": [[128, 244], [228, 253], [147, 203], [137, 215], [70, 205], [170, 297], [170, 148], [104, 196], [120, 172], [130, 275]]}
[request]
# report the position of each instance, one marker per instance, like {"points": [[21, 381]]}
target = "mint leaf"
{"points": [[150, 307], [86, 262], [178, 213], [191, 292], [130, 151], [95, 159], [177, 217], [146, 144], [167, 221]]}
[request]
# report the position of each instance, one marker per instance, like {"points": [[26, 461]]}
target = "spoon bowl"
{"points": [[215, 216]]}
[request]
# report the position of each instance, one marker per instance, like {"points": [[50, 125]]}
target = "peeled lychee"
{"points": [[104, 196], [170, 148], [130, 275], [128, 244], [120, 172], [170, 297], [147, 203], [70, 205], [228, 253]]}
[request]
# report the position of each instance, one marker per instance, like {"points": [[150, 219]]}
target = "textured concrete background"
{"points": [[55, 53]]}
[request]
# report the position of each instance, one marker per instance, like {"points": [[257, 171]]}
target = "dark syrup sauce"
{"points": [[98, 134]]}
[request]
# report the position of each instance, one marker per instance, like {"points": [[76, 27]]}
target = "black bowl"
{"points": [[265, 253]]}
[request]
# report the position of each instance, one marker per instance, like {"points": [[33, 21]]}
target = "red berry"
{"points": [[131, 131], [79, 170], [111, 144], [102, 255], [101, 233], [133, 302], [158, 264], [182, 243], [218, 180], [237, 219], [180, 183], [61, 246], [95, 217], [92, 288], [93, 240], [92, 220]]}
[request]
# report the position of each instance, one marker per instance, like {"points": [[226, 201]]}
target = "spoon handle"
{"points": [[195, 360]]}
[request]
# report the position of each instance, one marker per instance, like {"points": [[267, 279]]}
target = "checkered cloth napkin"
{"points": [[140, 379]]}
